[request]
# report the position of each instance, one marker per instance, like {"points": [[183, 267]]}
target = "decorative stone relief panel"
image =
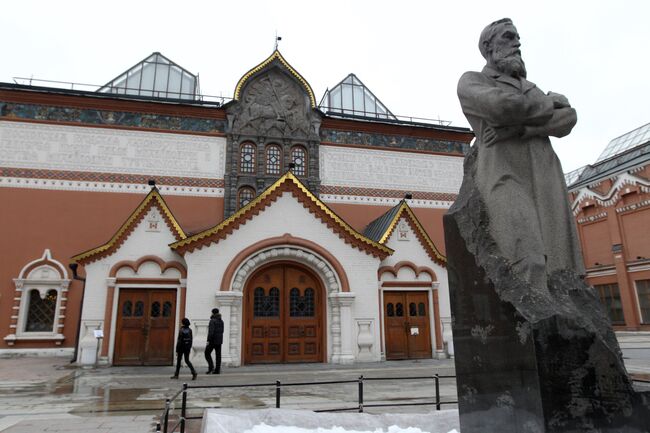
{"points": [[274, 105], [274, 109], [59, 147], [363, 168]]}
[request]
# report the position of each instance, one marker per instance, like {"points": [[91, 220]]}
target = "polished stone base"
{"points": [[530, 360]]}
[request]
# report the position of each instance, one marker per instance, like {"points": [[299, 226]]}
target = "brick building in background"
{"points": [[611, 202], [316, 228]]}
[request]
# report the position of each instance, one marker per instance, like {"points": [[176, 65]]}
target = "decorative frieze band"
{"points": [[398, 171], [102, 150], [69, 185]]}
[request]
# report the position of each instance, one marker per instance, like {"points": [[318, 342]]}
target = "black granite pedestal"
{"points": [[530, 361]]}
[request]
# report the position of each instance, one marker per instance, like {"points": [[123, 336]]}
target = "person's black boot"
{"points": [[209, 371], [194, 375]]}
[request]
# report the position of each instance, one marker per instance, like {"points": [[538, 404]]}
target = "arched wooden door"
{"points": [[284, 316]]}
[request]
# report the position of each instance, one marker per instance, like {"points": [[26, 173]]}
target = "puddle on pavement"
{"points": [[117, 401]]}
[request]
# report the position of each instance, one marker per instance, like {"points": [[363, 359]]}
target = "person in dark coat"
{"points": [[215, 338], [183, 348]]}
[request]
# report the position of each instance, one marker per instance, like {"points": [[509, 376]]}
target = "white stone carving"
{"points": [[74, 185], [365, 339], [385, 169], [60, 147], [381, 201]]}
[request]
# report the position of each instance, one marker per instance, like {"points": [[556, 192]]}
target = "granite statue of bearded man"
{"points": [[517, 172]]}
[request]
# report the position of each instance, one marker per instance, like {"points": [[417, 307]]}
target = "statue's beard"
{"points": [[511, 65]]}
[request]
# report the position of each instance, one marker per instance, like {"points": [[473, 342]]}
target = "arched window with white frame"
{"points": [[40, 301]]}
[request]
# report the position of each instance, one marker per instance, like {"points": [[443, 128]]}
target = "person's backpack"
{"points": [[185, 338]]}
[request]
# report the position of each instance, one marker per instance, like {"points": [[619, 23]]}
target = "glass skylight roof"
{"points": [[627, 141], [157, 77], [353, 98]]}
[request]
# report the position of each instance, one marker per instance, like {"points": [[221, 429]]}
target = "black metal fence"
{"points": [[164, 426]]}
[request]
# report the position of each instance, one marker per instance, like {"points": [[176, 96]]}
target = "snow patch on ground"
{"points": [[305, 421], [263, 428]]}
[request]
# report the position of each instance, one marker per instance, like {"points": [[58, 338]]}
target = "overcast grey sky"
{"points": [[409, 53]]}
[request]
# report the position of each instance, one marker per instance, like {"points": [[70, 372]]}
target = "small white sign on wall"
{"points": [[415, 330], [98, 333]]}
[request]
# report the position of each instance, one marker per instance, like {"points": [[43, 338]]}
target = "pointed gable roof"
{"points": [[277, 58], [155, 76], [287, 183], [353, 98], [381, 229], [153, 199]]}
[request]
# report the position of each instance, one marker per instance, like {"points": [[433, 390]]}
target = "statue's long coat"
{"points": [[521, 179]]}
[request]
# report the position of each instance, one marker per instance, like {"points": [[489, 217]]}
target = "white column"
{"points": [[342, 301], [229, 304]]}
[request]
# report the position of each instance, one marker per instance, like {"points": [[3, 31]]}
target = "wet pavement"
{"points": [[50, 395]]}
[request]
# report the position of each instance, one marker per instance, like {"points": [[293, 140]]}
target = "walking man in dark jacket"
{"points": [[215, 338], [183, 348]]}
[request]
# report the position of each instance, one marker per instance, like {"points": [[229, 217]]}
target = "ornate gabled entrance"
{"points": [[283, 315]]}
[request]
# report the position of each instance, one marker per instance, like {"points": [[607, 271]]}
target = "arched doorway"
{"points": [[283, 317]]}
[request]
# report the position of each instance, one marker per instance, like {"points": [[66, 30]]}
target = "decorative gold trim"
{"points": [[144, 205], [404, 207], [276, 55], [287, 177]]}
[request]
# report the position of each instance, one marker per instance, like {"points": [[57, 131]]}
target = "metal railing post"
{"points": [[361, 394], [183, 408], [437, 379], [166, 419], [277, 394]]}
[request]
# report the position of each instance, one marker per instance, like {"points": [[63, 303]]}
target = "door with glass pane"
{"points": [[406, 325], [283, 316], [145, 327]]}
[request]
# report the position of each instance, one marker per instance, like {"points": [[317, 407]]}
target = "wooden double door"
{"points": [[283, 317], [145, 327], [406, 324]]}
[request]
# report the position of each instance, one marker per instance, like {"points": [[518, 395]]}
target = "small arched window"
{"points": [[273, 159], [245, 196], [247, 160], [299, 159], [41, 312]]}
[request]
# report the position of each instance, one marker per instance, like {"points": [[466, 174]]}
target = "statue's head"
{"points": [[499, 45]]}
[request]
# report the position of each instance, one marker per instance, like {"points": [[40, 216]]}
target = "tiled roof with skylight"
{"points": [[157, 77], [351, 97]]}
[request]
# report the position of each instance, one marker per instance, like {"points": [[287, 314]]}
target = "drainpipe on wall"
{"points": [[73, 267]]}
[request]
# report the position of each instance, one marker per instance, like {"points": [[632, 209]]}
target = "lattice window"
{"points": [[422, 309], [301, 306], [273, 159], [167, 309], [127, 309], [610, 296], [247, 160], [41, 312], [399, 310], [155, 309], [390, 309], [266, 305], [299, 159], [245, 196], [139, 309], [41, 295], [413, 309]]}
